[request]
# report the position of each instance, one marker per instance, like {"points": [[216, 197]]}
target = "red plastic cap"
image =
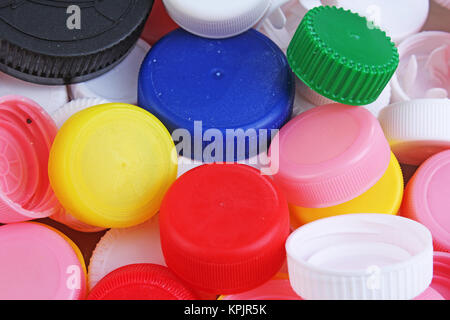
{"points": [[223, 228], [143, 281], [159, 24]]}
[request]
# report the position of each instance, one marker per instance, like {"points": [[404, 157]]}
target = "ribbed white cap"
{"points": [[319, 100], [218, 18], [69, 109], [360, 257], [417, 129]]}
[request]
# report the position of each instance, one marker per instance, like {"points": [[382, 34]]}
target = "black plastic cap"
{"points": [[53, 42]]}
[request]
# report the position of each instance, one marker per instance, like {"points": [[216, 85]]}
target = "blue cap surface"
{"points": [[242, 82]]}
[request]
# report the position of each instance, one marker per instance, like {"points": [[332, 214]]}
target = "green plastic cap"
{"points": [[342, 56]]}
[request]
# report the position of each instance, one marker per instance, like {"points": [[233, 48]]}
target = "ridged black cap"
{"points": [[40, 42]]}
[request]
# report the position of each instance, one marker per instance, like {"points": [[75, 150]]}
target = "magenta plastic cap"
{"points": [[26, 135], [329, 155], [37, 263], [426, 198]]}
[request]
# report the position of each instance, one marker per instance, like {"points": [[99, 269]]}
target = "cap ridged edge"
{"points": [[217, 29], [52, 70], [352, 83], [145, 273], [421, 119], [258, 269]]}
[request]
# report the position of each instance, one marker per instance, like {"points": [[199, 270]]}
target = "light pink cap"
{"points": [[441, 278], [329, 155], [440, 286], [27, 135], [426, 198], [275, 289], [38, 264]]}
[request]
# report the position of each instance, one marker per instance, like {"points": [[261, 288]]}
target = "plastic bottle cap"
{"points": [[110, 165], [360, 256], [417, 129], [141, 282], [399, 18], [426, 198], [329, 155], [75, 248], [384, 197], [444, 3], [119, 84], [337, 54], [68, 43], [441, 279], [49, 97], [319, 100], [213, 80], [121, 247], [27, 134], [217, 18], [206, 240], [158, 24], [422, 71], [18, 164], [38, 264], [69, 109], [275, 289]]}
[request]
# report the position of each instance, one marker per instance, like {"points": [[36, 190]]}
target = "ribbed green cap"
{"points": [[340, 55]]}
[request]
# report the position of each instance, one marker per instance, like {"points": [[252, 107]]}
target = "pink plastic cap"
{"points": [[27, 133], [426, 198], [429, 294], [441, 278], [38, 264], [329, 155], [275, 289], [440, 287]]}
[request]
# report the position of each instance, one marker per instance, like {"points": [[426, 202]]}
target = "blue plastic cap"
{"points": [[242, 82]]}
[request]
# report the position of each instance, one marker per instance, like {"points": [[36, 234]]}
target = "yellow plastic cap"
{"points": [[110, 165], [384, 197]]}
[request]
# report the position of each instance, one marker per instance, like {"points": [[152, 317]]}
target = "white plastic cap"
{"points": [[50, 98], [222, 18], [417, 129], [424, 68], [119, 84], [121, 247], [360, 257], [319, 100], [63, 114]]}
